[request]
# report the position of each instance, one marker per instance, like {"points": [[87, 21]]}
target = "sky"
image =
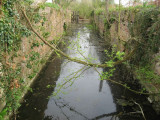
{"points": [[123, 2], [49, 1]]}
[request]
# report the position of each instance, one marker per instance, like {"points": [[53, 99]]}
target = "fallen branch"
{"points": [[83, 62], [66, 56]]}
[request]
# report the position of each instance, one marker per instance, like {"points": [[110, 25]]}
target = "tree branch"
{"points": [[83, 62], [66, 56], [134, 91]]}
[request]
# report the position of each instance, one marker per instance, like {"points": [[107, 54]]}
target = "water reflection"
{"points": [[88, 97]]}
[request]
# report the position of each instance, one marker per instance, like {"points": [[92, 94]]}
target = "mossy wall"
{"points": [[138, 28], [33, 53]]}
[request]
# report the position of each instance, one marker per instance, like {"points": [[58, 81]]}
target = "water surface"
{"points": [[85, 96], [84, 99]]}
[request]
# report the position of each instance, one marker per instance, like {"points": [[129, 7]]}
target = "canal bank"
{"points": [[20, 65], [85, 96], [136, 29]]}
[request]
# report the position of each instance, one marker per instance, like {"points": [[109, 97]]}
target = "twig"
{"points": [[137, 92], [74, 77], [70, 108], [65, 55], [77, 76], [140, 109], [83, 62]]}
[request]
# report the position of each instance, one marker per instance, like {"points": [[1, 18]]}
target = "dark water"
{"points": [[83, 98]]}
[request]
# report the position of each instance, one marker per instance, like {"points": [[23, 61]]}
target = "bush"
{"points": [[147, 24], [99, 11], [52, 5], [85, 10]]}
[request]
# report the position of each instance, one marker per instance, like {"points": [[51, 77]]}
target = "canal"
{"points": [[83, 95]]}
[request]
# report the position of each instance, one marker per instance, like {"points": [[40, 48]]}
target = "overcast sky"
{"points": [[49, 0], [124, 2]]}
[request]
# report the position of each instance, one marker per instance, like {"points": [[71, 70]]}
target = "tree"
{"points": [[107, 7]]}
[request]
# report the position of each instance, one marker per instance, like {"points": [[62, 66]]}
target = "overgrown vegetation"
{"points": [[145, 34], [52, 5], [84, 9], [147, 24], [11, 32], [13, 25], [12, 83]]}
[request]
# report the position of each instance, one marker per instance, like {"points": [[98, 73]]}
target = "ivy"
{"points": [[3, 114], [147, 25], [11, 32], [147, 75]]}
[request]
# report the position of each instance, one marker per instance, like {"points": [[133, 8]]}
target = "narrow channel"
{"points": [[83, 98]]}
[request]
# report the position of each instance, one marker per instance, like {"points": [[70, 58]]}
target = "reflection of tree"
{"points": [[48, 118], [100, 86], [117, 91], [69, 82], [61, 108], [62, 104], [105, 115], [86, 63]]}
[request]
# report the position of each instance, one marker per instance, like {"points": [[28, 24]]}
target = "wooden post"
{"points": [[78, 16], [72, 17], [75, 17]]}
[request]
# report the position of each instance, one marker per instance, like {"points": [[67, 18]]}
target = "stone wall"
{"points": [[54, 27], [110, 32]]}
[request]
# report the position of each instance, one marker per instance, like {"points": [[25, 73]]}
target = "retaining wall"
{"points": [[33, 45], [111, 37]]}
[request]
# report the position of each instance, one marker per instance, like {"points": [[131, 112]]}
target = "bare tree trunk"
{"points": [[119, 20], [106, 8]]}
